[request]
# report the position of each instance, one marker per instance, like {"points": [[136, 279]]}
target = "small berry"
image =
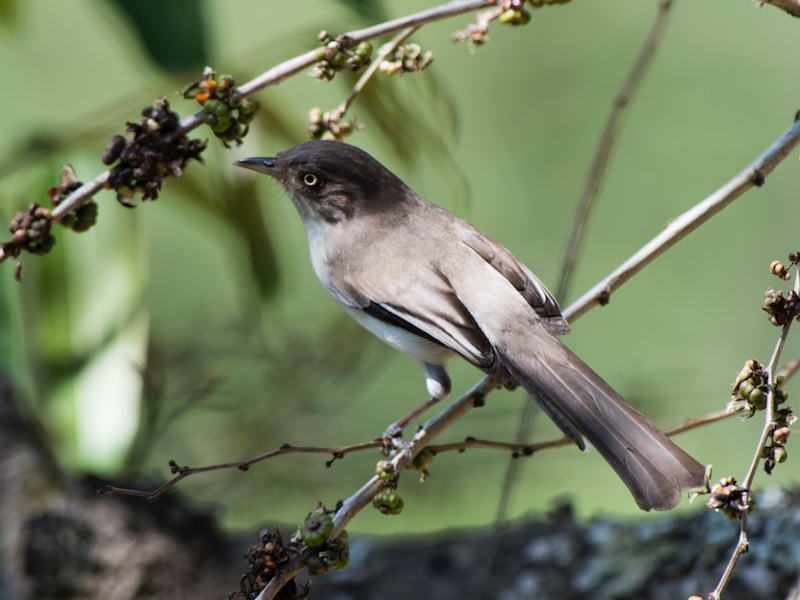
{"points": [[388, 502]]}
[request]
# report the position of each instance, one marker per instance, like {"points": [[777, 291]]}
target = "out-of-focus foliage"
{"points": [[8, 11], [192, 328], [367, 10], [172, 33]]}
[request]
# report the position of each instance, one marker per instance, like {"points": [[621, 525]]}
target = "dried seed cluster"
{"points": [[225, 110], [507, 12], [78, 219], [30, 232], [264, 559], [338, 54], [327, 553], [781, 309], [750, 388], [311, 541], [329, 125], [731, 499], [749, 394], [408, 58], [153, 150]]}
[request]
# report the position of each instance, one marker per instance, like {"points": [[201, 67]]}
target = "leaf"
{"points": [[173, 33], [393, 103], [367, 10], [245, 213], [8, 12]]}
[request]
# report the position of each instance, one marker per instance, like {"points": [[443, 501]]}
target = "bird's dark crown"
{"points": [[344, 177]]}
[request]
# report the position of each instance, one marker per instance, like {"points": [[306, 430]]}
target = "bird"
{"points": [[434, 287]]}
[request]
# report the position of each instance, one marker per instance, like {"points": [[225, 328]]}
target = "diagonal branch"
{"points": [[742, 544], [585, 204], [752, 176], [383, 52], [597, 170], [279, 73]]}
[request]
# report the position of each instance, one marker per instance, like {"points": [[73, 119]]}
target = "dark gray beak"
{"points": [[267, 165]]}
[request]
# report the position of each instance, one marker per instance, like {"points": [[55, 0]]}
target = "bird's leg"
{"points": [[395, 430], [438, 383]]}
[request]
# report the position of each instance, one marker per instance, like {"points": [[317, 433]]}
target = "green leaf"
{"points": [[367, 10], [8, 12], [172, 33]]}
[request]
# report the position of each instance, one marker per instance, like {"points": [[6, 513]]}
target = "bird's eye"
{"points": [[310, 179]]}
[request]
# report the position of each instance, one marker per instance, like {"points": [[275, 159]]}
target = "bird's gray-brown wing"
{"points": [[428, 306], [524, 281]]}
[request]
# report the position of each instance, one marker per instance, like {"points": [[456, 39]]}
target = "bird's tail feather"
{"points": [[583, 405]]}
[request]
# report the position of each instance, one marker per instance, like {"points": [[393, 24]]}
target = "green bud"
{"points": [[85, 216], [758, 399], [316, 529], [385, 470], [363, 51], [248, 107], [316, 565], [337, 553], [423, 460], [388, 502], [217, 114], [746, 388], [515, 17]]}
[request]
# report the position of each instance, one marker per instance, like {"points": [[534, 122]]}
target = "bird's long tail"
{"points": [[583, 405]]}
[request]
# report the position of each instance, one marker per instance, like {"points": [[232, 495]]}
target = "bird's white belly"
{"points": [[418, 348]]}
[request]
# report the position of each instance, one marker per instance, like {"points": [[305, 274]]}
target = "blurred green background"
{"points": [[192, 328]]}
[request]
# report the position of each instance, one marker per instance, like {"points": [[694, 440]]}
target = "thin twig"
{"points": [[742, 544], [754, 175], [599, 164], [520, 449], [584, 206], [690, 424], [531, 449], [277, 74], [355, 503], [682, 226], [769, 411], [184, 472], [383, 52], [427, 433], [517, 448], [790, 368]]}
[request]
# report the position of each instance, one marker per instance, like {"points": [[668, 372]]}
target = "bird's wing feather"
{"points": [[524, 281], [428, 306]]}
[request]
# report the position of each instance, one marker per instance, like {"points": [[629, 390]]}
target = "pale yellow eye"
{"points": [[310, 179]]}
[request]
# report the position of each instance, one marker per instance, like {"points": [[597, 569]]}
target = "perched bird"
{"points": [[434, 287]]}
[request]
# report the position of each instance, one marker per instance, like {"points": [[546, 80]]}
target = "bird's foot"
{"points": [[393, 440]]}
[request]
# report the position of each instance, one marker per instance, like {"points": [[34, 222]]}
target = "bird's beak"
{"points": [[267, 165]]}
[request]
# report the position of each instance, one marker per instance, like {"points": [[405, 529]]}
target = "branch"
{"points": [[600, 162], [373, 68], [184, 472], [754, 175], [339, 452], [277, 74], [742, 545], [355, 503], [790, 368], [586, 201]]}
